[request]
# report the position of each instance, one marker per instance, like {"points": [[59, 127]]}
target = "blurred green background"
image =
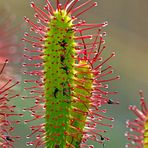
{"points": [[127, 35]]}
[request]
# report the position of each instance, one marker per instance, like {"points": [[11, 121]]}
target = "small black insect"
{"points": [[55, 92], [65, 68], [63, 43], [8, 138], [110, 101], [102, 139], [70, 30], [62, 58]]}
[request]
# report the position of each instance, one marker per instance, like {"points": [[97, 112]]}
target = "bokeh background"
{"points": [[127, 35]]}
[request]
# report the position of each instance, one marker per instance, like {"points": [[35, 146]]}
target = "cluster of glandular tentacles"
{"points": [[7, 110], [138, 135]]}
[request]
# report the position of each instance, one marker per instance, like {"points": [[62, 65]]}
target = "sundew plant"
{"points": [[67, 77]]}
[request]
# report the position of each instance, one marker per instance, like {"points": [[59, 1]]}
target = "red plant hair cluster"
{"points": [[139, 127], [7, 110]]}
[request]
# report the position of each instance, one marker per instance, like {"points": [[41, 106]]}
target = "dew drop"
{"points": [[32, 4], [131, 129], [38, 21], [25, 122], [105, 23], [27, 137], [24, 110], [133, 142], [26, 19], [104, 34], [91, 146], [112, 119], [26, 34], [95, 4]]}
